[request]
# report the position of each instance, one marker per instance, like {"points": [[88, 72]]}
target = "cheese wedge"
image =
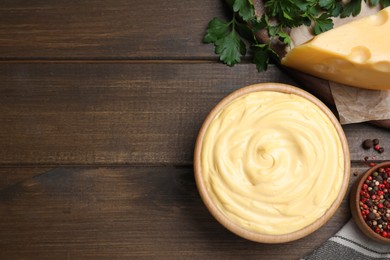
{"points": [[355, 54]]}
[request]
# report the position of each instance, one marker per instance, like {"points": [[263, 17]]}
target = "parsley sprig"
{"points": [[232, 38]]}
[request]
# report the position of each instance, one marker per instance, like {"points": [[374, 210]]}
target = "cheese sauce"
{"points": [[272, 162]]}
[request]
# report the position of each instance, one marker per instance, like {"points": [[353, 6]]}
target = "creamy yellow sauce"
{"points": [[272, 162]]}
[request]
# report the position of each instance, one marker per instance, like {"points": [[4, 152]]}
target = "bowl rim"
{"points": [[355, 207], [224, 220]]}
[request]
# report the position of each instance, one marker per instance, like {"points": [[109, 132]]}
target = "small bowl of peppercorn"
{"points": [[370, 202]]}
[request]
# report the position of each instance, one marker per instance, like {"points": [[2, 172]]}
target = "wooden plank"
{"points": [[13, 176], [357, 133], [100, 29], [130, 113], [108, 212]]}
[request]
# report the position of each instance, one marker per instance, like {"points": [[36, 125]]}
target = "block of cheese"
{"points": [[355, 54]]}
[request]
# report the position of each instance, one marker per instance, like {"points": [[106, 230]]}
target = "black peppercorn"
{"points": [[367, 144], [371, 216]]}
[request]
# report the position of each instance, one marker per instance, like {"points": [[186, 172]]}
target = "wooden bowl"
{"points": [[226, 221], [355, 207]]}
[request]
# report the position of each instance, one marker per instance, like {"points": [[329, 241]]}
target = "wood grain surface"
{"points": [[101, 29], [100, 106], [132, 113], [120, 114], [110, 212]]}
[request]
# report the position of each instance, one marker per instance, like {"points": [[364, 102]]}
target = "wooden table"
{"points": [[100, 105]]}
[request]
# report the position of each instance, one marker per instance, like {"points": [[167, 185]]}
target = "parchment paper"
{"points": [[359, 105]]}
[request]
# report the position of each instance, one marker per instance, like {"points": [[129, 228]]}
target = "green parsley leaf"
{"points": [[287, 13], [303, 5], [278, 32], [327, 4], [262, 53], [336, 11], [244, 8], [273, 30], [384, 3], [216, 29], [353, 8], [245, 32], [230, 48], [227, 42], [261, 56], [284, 37], [322, 24], [226, 35], [312, 11], [258, 25]]}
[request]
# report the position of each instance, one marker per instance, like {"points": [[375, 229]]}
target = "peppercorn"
{"points": [[381, 150], [367, 144], [375, 141], [371, 216]]}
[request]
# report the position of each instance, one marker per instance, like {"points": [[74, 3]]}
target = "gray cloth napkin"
{"points": [[350, 243]]}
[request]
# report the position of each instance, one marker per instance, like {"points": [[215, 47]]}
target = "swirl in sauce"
{"points": [[272, 162]]}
